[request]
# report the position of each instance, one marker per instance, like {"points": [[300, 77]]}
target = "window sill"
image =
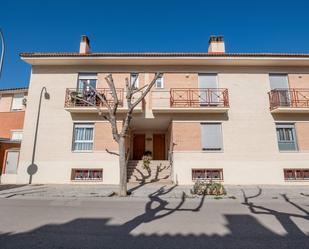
{"points": [[82, 151], [87, 181]]}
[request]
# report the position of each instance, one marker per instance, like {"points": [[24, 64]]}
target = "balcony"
{"points": [[75, 105], [198, 100], [291, 100]]}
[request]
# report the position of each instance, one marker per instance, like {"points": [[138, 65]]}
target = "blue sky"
{"points": [[136, 25]]}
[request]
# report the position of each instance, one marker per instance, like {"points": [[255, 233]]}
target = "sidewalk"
{"points": [[262, 192]]}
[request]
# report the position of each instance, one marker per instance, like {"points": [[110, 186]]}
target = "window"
{"points": [[83, 137], [87, 174], [286, 137], [159, 83], [296, 174], [207, 174], [17, 103], [279, 83], [211, 136], [134, 79], [16, 135], [85, 79]]}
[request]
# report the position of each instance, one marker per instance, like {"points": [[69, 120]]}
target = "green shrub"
{"points": [[208, 188]]}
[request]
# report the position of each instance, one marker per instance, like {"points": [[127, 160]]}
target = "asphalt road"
{"points": [[154, 223]]}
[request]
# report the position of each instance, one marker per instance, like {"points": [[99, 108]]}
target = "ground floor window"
{"points": [[207, 174], [211, 136], [83, 137], [87, 174], [296, 174], [286, 137]]}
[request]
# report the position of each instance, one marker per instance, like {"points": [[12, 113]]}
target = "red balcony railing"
{"points": [[199, 97], [74, 97], [293, 97]]}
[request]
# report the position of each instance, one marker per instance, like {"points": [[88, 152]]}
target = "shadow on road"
{"points": [[244, 230]]}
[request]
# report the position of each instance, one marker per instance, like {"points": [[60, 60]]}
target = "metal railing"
{"points": [[292, 97], [74, 97], [199, 97]]}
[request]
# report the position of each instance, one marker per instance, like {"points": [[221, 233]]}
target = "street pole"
{"points": [[2, 51], [32, 169]]}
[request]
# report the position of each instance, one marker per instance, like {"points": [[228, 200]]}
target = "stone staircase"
{"points": [[158, 171]]}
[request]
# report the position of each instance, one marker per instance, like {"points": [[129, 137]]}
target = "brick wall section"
{"points": [[103, 138], [187, 136], [299, 81], [119, 80], [10, 121], [180, 80], [302, 133]]}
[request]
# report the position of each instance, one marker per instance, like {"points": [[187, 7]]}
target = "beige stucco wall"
{"points": [[5, 102], [53, 154], [250, 153]]}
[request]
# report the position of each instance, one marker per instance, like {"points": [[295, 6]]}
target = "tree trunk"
{"points": [[123, 167]]}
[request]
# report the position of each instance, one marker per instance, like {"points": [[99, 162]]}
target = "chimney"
{"points": [[84, 47], [216, 44]]}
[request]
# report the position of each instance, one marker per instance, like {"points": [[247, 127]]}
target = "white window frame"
{"points": [[16, 131], [162, 83], [22, 97], [221, 138], [83, 125], [287, 126], [137, 80], [87, 77]]}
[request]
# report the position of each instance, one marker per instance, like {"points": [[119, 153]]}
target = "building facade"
{"points": [[231, 117], [12, 112]]}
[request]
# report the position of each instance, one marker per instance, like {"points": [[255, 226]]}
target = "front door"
{"points": [[158, 146], [138, 146], [11, 162]]}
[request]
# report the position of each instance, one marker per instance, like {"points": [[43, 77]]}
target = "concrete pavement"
{"points": [[253, 219]]}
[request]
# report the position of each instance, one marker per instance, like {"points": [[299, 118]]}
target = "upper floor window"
{"points": [[83, 137], [211, 136], [85, 79], [278, 81], [134, 79], [16, 135], [17, 103], [286, 137], [159, 83]]}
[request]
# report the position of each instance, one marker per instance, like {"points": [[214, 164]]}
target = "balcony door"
{"points": [[208, 93], [280, 86]]}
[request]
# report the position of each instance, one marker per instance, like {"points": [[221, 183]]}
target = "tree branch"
{"points": [[157, 75]]}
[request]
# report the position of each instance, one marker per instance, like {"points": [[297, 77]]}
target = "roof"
{"points": [[14, 90], [160, 54]]}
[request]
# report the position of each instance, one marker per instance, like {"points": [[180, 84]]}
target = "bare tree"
{"points": [[134, 95]]}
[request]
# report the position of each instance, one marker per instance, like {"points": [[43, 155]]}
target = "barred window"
{"points": [[87, 174], [207, 174], [296, 174]]}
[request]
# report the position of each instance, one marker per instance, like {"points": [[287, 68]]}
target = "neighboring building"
{"points": [[240, 118], [12, 112]]}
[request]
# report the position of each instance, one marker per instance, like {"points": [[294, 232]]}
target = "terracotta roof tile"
{"points": [[161, 54]]}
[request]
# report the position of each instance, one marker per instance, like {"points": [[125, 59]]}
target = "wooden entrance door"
{"points": [[138, 146], [158, 146]]}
